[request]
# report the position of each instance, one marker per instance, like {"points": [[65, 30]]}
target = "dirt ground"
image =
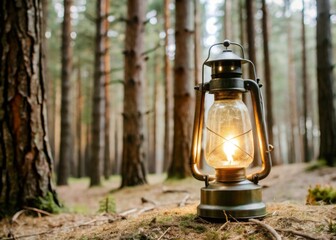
{"points": [[167, 210]]}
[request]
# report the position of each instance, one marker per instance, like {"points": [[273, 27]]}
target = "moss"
{"points": [[316, 165], [332, 227], [188, 222], [48, 203], [321, 195]]}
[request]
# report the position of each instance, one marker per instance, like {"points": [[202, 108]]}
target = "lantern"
{"points": [[229, 146]]}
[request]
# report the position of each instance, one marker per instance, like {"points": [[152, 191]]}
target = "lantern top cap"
{"points": [[226, 55]]}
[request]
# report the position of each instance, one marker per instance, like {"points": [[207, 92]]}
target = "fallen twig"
{"points": [[267, 227], [164, 233], [39, 211], [128, 212], [16, 215], [146, 209], [146, 200], [305, 235], [184, 200], [223, 226], [164, 190]]}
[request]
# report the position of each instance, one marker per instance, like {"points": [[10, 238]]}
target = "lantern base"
{"points": [[236, 200]]}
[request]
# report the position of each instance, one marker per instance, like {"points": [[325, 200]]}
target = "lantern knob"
{"points": [[226, 43]]}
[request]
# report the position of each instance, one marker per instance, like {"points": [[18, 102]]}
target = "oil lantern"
{"points": [[229, 146]]}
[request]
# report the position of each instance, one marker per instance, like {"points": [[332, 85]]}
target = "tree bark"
{"points": [[183, 90], [133, 169], [66, 147], [107, 158], [295, 145], [26, 163], [227, 19], [268, 80], [80, 159], [167, 90], [250, 27], [98, 106], [307, 146], [325, 80]]}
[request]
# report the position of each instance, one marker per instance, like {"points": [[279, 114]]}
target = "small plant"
{"points": [[107, 205], [321, 195], [316, 165], [332, 227]]}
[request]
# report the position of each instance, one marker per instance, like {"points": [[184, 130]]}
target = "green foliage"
{"points": [[316, 165], [107, 205], [321, 195], [188, 222], [47, 203], [332, 227]]}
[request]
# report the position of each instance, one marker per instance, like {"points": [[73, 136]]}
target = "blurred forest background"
{"points": [[88, 94], [101, 88]]}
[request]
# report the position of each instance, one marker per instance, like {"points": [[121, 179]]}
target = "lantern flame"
{"points": [[229, 148]]}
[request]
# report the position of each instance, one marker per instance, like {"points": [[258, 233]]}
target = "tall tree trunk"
{"points": [[80, 159], [227, 19], [107, 158], [307, 147], [197, 42], [133, 169], [295, 145], [325, 83], [241, 21], [66, 148], [26, 163], [167, 90], [98, 107], [268, 80], [50, 86], [250, 10], [183, 90], [250, 27]]}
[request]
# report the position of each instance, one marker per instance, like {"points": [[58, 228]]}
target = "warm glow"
{"points": [[229, 148], [229, 141]]}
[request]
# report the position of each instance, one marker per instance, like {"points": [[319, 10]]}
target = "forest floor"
{"points": [[167, 210]]}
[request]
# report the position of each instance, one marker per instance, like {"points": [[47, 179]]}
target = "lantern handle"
{"points": [[226, 44], [264, 146], [196, 145]]}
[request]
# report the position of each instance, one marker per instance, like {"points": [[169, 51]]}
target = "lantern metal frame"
{"points": [[236, 199]]}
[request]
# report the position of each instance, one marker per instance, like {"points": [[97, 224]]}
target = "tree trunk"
{"points": [[80, 159], [66, 147], [50, 86], [183, 90], [167, 90], [241, 21], [325, 83], [250, 27], [133, 169], [107, 158], [227, 20], [307, 146], [26, 163], [295, 145], [268, 80], [98, 107]]}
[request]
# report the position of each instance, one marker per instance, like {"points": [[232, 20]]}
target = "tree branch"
{"points": [[158, 45], [267, 227], [305, 235]]}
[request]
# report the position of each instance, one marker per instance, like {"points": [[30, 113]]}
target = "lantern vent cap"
{"points": [[226, 55]]}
